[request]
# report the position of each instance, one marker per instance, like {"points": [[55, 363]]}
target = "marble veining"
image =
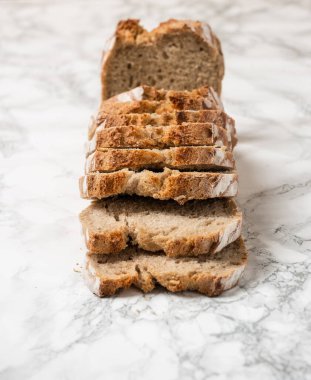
{"points": [[51, 326]]}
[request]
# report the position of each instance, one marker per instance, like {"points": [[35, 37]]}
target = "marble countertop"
{"points": [[51, 326]]}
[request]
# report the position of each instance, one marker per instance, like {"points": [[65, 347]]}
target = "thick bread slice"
{"points": [[183, 158], [105, 275], [170, 118], [169, 184], [162, 57], [148, 136], [196, 228]]}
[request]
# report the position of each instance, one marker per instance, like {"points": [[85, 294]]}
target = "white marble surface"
{"points": [[51, 326]]}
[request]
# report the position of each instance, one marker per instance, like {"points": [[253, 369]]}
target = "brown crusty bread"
{"points": [[150, 106], [182, 158], [106, 274], [146, 97], [217, 117], [206, 96], [196, 228], [133, 136], [178, 54], [168, 184]]}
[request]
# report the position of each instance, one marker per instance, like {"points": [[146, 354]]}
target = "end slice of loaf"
{"points": [[148, 136], [178, 54], [183, 158], [105, 275], [169, 184], [196, 228]]}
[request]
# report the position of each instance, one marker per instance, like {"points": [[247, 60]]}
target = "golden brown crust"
{"points": [[187, 158], [104, 185], [130, 31], [113, 242], [169, 184]]}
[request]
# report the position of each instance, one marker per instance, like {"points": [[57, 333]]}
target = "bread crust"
{"points": [[169, 184], [146, 270], [185, 158]]}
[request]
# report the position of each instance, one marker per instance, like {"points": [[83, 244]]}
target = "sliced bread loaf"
{"points": [[133, 136], [198, 227], [183, 158], [106, 274], [178, 54], [168, 184]]}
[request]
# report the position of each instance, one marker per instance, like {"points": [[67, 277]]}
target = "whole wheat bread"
{"points": [[183, 158], [198, 227], [106, 274], [178, 54], [132, 136], [169, 184]]}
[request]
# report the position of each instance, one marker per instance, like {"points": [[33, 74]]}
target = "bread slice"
{"points": [[148, 97], [105, 275], [183, 158], [168, 184], [178, 54], [196, 228], [217, 117], [132, 136], [151, 106], [206, 96]]}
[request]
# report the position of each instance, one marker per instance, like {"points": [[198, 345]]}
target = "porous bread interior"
{"points": [[175, 61], [153, 223], [221, 264]]}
